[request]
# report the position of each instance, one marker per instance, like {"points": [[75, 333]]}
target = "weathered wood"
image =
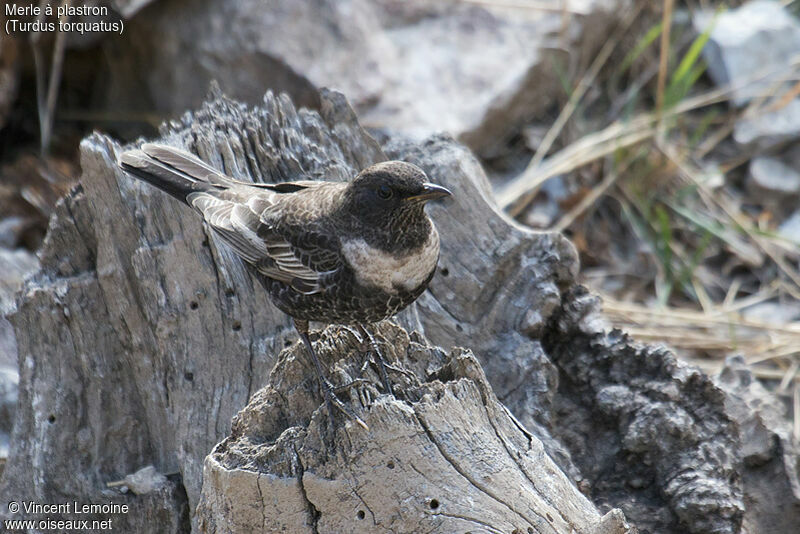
{"points": [[142, 337], [441, 455]]}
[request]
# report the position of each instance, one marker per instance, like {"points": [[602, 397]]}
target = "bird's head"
{"points": [[390, 197]]}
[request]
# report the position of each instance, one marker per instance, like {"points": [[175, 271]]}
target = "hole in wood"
{"points": [[390, 465], [434, 504], [361, 514], [236, 326], [193, 305]]}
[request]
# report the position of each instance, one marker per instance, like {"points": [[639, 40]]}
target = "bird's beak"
{"points": [[430, 192]]}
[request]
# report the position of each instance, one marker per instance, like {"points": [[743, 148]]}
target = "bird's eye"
{"points": [[385, 192]]}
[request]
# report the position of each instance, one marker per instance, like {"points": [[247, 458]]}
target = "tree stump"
{"points": [[440, 455]]}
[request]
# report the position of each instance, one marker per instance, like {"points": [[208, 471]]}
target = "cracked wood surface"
{"points": [[441, 455], [143, 337]]}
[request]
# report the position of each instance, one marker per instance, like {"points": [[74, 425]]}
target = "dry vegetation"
{"points": [[650, 189]]}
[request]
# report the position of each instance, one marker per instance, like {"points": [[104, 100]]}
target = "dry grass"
{"points": [[663, 189]]}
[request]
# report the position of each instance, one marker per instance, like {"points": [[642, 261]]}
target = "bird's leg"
{"points": [[325, 386], [381, 363]]}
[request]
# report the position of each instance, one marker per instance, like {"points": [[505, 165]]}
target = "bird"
{"points": [[348, 253]]}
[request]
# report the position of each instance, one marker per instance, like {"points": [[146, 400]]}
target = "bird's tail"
{"points": [[172, 170]]}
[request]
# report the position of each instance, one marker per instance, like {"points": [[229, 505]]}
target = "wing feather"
{"points": [[259, 241]]}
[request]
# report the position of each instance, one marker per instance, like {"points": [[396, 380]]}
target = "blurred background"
{"points": [[659, 135]]}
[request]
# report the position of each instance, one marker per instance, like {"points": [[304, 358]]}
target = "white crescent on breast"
{"points": [[389, 272]]}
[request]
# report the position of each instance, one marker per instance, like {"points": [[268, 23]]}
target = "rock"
{"points": [[790, 228], [770, 477], [471, 72], [417, 68], [128, 8], [774, 182], [9, 381], [767, 127], [759, 38], [447, 457], [143, 481], [12, 229], [773, 313], [15, 266], [774, 176], [141, 336]]}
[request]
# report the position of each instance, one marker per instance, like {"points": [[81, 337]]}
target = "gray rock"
{"points": [[413, 67], [15, 265], [469, 72], [773, 313], [760, 36], [11, 230], [790, 228], [128, 8], [9, 381], [773, 182], [145, 480], [767, 126]]}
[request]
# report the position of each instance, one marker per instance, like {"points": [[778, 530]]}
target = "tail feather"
{"points": [[174, 171], [187, 163]]}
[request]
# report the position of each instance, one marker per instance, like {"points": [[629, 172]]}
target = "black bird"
{"points": [[344, 253]]}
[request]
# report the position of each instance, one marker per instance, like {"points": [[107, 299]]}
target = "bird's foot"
{"points": [[364, 393], [325, 386], [357, 382], [400, 371], [379, 357], [331, 400]]}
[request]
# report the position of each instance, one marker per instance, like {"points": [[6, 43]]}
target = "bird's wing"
{"points": [[236, 211], [298, 258]]}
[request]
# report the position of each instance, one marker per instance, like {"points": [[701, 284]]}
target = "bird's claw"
{"points": [[331, 400], [399, 370], [350, 385]]}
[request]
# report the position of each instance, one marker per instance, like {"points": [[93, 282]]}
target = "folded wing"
{"points": [[237, 212]]}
